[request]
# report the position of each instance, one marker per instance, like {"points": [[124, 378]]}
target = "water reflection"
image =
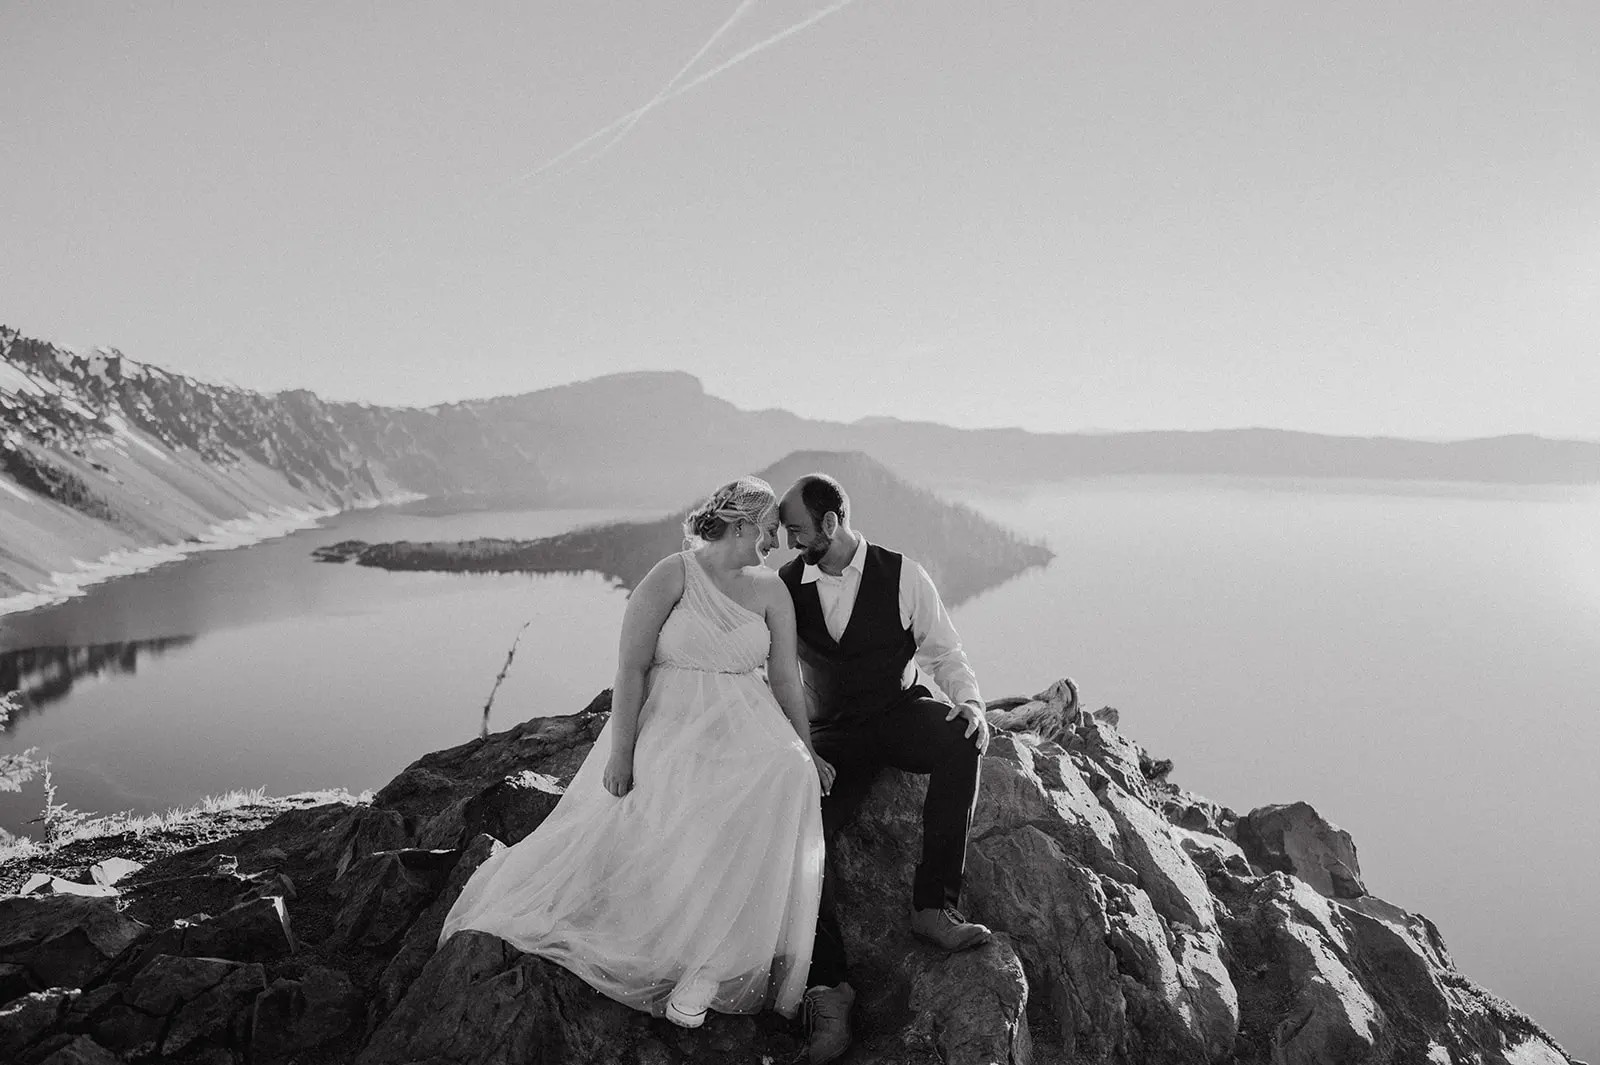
{"points": [[44, 675]]}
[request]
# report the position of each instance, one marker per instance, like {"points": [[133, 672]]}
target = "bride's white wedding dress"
{"points": [[706, 876]]}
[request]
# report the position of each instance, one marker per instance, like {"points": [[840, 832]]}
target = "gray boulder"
{"points": [[422, 938], [295, 1015], [64, 940], [1293, 838], [384, 893], [508, 810]]}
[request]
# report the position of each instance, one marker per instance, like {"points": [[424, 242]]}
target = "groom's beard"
{"points": [[813, 553]]}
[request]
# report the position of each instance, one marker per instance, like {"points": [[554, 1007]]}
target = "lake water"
{"points": [[1421, 663]]}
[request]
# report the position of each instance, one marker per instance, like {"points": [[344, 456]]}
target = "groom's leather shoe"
{"points": [[827, 1015], [946, 928]]}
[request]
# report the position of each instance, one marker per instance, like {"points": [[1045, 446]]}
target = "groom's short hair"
{"points": [[820, 494]]}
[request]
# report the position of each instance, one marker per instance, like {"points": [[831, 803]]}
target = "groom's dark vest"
{"points": [[862, 672]]}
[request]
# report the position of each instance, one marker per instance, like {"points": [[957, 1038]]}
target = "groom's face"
{"points": [[803, 532]]}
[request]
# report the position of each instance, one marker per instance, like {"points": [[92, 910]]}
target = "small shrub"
{"points": [[15, 769]]}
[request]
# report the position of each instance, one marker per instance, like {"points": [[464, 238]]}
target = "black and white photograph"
{"points": [[780, 532]]}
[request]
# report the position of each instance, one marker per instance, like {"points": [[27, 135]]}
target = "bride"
{"points": [[681, 871]]}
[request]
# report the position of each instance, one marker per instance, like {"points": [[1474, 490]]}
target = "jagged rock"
{"points": [[1027, 783], [83, 1010], [422, 938], [1181, 1001], [29, 1017], [1174, 885], [480, 1001], [110, 870], [1113, 754], [508, 810], [971, 1007], [222, 1010], [1192, 812], [1129, 929], [295, 1015], [126, 1030], [384, 892], [1295, 839], [553, 746], [255, 930], [64, 940], [14, 981], [45, 884], [268, 883], [82, 1051], [1330, 1016], [1053, 909], [1210, 852], [167, 982], [365, 831], [336, 834]]}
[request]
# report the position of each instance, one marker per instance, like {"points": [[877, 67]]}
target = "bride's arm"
{"points": [[647, 611], [783, 672]]}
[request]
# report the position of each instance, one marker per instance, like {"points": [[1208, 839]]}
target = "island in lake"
{"points": [[964, 552]]}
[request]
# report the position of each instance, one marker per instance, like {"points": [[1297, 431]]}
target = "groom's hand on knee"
{"points": [[977, 723]]}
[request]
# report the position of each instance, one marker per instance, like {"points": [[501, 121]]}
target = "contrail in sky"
{"points": [[672, 83], [673, 89]]}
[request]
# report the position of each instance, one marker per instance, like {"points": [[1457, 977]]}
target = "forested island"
{"points": [[962, 550]]}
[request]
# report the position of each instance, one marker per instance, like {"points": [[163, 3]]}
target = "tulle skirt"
{"points": [[710, 869]]}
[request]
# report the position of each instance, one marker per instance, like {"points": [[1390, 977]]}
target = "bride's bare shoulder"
{"points": [[770, 589], [665, 579]]}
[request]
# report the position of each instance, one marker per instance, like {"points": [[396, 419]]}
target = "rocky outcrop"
{"points": [[1295, 839], [1135, 923]]}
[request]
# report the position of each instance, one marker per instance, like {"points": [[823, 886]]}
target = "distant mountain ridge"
{"points": [[101, 455], [655, 437]]}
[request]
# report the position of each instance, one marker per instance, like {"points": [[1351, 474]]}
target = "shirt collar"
{"points": [[858, 562]]}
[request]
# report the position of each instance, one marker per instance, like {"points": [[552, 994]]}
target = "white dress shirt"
{"points": [[938, 646]]}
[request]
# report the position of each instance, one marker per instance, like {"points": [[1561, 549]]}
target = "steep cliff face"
{"points": [[102, 457], [1136, 923]]}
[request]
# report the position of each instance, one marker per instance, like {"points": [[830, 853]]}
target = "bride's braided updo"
{"points": [[747, 499]]}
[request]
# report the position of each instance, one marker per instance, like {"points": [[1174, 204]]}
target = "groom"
{"points": [[864, 613]]}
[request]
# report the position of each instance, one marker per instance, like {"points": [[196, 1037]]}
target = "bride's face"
{"points": [[768, 541], [757, 539]]}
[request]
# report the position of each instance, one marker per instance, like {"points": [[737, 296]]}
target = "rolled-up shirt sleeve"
{"points": [[938, 645]]}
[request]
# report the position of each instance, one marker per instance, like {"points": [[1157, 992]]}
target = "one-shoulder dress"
{"points": [[710, 868]]}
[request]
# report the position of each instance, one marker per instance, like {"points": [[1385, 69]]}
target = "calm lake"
{"points": [[1419, 662]]}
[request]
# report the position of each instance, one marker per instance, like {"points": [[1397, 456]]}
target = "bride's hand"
{"points": [[824, 772], [619, 776]]}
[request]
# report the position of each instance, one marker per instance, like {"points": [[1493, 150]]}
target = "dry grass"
{"points": [[137, 825]]}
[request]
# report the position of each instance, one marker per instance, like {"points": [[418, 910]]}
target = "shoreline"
{"points": [[254, 528]]}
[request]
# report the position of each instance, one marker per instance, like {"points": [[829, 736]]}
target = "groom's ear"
{"points": [[830, 524]]}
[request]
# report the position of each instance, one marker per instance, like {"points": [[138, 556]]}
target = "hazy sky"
{"points": [[1352, 217]]}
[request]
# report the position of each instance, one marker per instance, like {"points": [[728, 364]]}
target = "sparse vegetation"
{"points": [[60, 820], [53, 482], [144, 836], [15, 769]]}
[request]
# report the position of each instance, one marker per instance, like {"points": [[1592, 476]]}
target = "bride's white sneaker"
{"points": [[689, 1002]]}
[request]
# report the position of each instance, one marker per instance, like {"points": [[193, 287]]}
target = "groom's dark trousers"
{"points": [[912, 735], [866, 721]]}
